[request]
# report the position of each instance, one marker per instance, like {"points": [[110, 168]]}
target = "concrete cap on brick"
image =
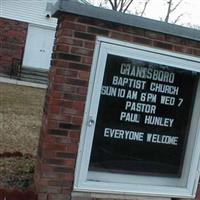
{"points": [[73, 7]]}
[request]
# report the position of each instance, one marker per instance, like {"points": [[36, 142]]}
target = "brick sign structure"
{"points": [[164, 113]]}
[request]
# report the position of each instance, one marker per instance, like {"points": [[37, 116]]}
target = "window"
{"points": [[140, 132]]}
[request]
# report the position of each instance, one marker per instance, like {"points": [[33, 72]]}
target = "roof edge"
{"points": [[73, 7]]}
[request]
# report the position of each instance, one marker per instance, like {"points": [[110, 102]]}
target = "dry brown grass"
{"points": [[16, 172], [21, 110]]}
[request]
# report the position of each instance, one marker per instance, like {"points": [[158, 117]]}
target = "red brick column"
{"points": [[67, 90], [12, 42]]}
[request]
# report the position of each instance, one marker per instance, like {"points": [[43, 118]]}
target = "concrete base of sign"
{"points": [[92, 196]]}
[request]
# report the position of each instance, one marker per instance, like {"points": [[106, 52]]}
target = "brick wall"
{"points": [[12, 42], [67, 90]]}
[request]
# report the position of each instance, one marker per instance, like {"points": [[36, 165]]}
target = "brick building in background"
{"points": [[79, 27], [27, 34], [13, 38]]}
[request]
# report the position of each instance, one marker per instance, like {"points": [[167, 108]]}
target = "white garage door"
{"points": [[38, 49]]}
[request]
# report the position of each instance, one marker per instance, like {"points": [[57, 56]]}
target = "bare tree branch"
{"points": [[125, 9], [144, 8], [115, 4], [111, 3], [175, 7], [168, 10], [121, 5], [177, 19]]}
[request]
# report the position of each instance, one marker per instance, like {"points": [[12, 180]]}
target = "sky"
{"points": [[157, 9], [190, 8]]}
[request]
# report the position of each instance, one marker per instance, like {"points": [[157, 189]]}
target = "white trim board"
{"points": [[116, 184], [23, 83]]}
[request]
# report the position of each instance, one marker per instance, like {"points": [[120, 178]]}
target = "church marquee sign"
{"points": [[141, 125]]}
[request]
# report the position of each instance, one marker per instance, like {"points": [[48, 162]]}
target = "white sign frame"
{"points": [[108, 183]]}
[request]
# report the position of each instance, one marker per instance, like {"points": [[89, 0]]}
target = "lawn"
{"points": [[21, 110]]}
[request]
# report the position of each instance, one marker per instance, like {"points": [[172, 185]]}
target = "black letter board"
{"points": [[143, 118]]}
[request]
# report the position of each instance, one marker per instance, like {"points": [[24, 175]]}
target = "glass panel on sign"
{"points": [[143, 118]]}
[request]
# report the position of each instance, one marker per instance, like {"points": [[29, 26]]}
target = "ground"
{"points": [[21, 110]]}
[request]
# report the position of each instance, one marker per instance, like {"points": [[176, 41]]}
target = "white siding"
{"points": [[31, 11]]}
